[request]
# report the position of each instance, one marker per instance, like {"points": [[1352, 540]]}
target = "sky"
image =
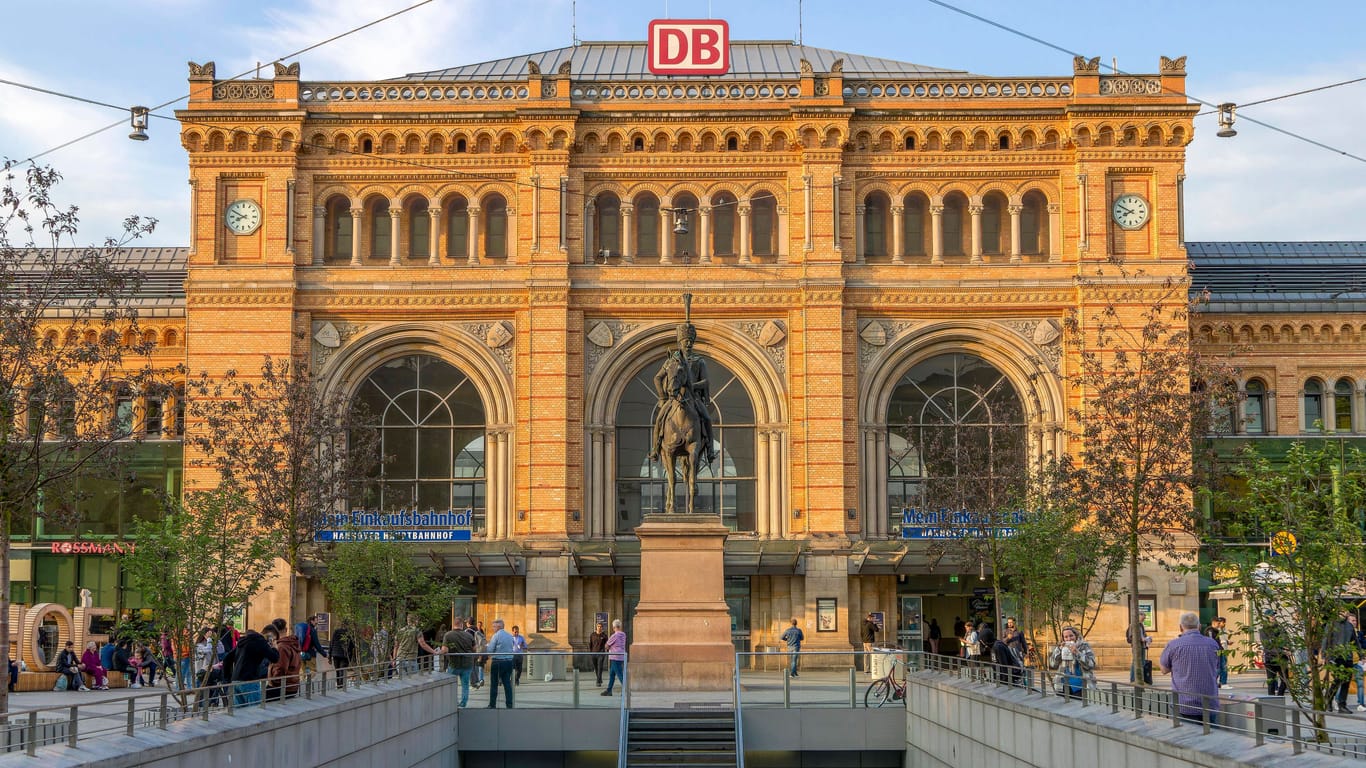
{"points": [[1259, 185]]}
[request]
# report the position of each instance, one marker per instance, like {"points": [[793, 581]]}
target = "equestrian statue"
{"points": [[682, 427]]}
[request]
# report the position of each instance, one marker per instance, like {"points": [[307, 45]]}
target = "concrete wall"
{"points": [[409, 724], [951, 723]]}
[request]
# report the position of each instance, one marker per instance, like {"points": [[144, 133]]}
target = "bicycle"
{"points": [[885, 689]]}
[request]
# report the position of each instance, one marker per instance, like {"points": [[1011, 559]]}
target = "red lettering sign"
{"points": [[688, 47], [92, 547]]}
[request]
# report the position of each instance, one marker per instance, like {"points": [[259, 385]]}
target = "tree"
{"points": [[1308, 509], [296, 454], [1142, 395], [379, 579], [1064, 587], [201, 561], [69, 342]]}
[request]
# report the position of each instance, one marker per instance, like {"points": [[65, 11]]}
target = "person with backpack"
{"points": [[310, 646]]}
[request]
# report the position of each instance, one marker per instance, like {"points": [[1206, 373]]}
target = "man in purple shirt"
{"points": [[1193, 661]]}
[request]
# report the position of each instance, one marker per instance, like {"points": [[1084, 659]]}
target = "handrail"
{"points": [[85, 721], [739, 720]]}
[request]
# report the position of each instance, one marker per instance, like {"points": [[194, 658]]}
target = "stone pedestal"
{"points": [[682, 625]]}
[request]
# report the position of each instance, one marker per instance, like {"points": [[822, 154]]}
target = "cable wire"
{"points": [[1286, 95], [1116, 70]]}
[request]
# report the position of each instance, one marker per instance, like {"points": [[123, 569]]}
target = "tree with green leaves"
{"points": [[1307, 513], [294, 453], [69, 343], [199, 563], [378, 580], [1142, 396]]}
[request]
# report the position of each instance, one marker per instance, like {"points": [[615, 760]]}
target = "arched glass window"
{"points": [[952, 224], [1254, 407], [1342, 406], [419, 230], [338, 246], [685, 245], [1033, 223], [723, 226], [763, 224], [495, 227], [1313, 406], [995, 224], [458, 229], [875, 215], [647, 225], [431, 424], [607, 227], [956, 438], [380, 230], [913, 225], [725, 486]]}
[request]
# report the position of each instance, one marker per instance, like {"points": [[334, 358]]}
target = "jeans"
{"points": [[464, 675], [796, 657], [598, 667], [518, 665], [186, 674], [1223, 669], [501, 673], [1275, 678], [247, 694], [409, 666], [339, 665], [616, 670], [1359, 675]]}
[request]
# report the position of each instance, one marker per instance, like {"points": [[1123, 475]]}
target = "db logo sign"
{"points": [[689, 47]]}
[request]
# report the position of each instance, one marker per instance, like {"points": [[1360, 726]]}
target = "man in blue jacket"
{"points": [[793, 637], [306, 632]]}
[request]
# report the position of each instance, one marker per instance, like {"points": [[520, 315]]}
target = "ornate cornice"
{"points": [[391, 301], [237, 298]]}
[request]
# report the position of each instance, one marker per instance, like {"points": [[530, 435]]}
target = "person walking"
{"points": [[405, 646], [1192, 659], [1338, 644], [868, 634], [284, 672], [616, 657], [342, 651], [518, 654], [936, 634], [310, 645], [458, 645], [1072, 663], [1215, 632], [793, 637], [476, 631], [500, 667], [1275, 654], [597, 646]]}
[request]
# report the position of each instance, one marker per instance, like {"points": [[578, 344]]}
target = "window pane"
{"points": [[400, 450], [433, 452], [913, 228], [952, 224], [723, 225], [1253, 421], [469, 458], [457, 234], [420, 234], [763, 218], [379, 232]]}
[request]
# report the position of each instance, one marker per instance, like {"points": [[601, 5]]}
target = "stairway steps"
{"points": [[680, 739]]}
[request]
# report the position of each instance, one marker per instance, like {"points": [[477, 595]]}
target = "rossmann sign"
{"points": [[688, 47]]}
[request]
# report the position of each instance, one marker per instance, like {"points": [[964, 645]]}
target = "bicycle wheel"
{"points": [[878, 693]]}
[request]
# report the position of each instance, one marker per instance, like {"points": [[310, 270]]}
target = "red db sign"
{"points": [[689, 47]]}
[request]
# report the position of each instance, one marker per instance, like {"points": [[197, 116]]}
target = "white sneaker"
{"points": [[1361, 708], [135, 685], [1226, 686], [83, 688]]}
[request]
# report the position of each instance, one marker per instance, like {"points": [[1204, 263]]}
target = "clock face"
{"points": [[1130, 211], [242, 217]]}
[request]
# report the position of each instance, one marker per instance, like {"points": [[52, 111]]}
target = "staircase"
{"points": [[680, 738]]}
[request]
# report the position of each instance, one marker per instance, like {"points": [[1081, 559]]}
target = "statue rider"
{"points": [[693, 391]]}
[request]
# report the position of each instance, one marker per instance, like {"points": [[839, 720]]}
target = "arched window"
{"points": [[956, 438], [723, 227], [1034, 223], [380, 230], [914, 224], [419, 230], [875, 224], [1254, 407], [1313, 406], [1342, 406], [954, 217], [607, 225], [338, 246], [685, 245], [995, 224], [647, 225], [495, 227], [763, 224], [457, 229], [431, 425], [725, 486]]}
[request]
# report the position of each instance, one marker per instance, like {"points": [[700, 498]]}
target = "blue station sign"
{"points": [[957, 524], [402, 525]]}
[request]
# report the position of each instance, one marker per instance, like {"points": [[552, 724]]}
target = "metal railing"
{"points": [[27, 729], [739, 721]]}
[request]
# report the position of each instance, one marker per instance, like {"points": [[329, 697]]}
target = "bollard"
{"points": [[787, 689], [1114, 697], [1295, 730], [32, 746], [576, 687], [1176, 709], [853, 681], [71, 729], [230, 699], [1257, 722], [163, 714], [130, 717], [1205, 713]]}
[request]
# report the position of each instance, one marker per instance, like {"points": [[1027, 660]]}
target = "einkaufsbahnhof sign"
{"points": [[403, 525]]}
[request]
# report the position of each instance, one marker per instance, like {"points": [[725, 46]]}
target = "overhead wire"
{"points": [[1116, 70], [1247, 104]]}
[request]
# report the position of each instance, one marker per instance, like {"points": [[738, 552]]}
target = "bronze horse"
{"points": [[681, 436]]}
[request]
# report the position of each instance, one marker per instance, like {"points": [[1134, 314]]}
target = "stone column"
{"points": [[762, 526], [395, 221], [860, 212], [1055, 232], [878, 510], [898, 234], [976, 212], [595, 525], [590, 248], [776, 507], [472, 233], [628, 233], [937, 234], [780, 252], [1015, 255], [746, 251], [704, 235], [434, 236], [319, 234], [510, 238], [357, 216], [869, 527], [1271, 426]]}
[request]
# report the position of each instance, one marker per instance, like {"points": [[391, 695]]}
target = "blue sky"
{"points": [[1258, 186]]}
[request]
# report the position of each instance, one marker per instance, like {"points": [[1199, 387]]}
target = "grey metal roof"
{"points": [[1327, 276], [162, 271], [749, 59]]}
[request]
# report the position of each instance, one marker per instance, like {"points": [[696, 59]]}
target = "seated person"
{"points": [[148, 665], [90, 664]]}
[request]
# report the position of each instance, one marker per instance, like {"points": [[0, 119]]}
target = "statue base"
{"points": [[682, 624]]}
